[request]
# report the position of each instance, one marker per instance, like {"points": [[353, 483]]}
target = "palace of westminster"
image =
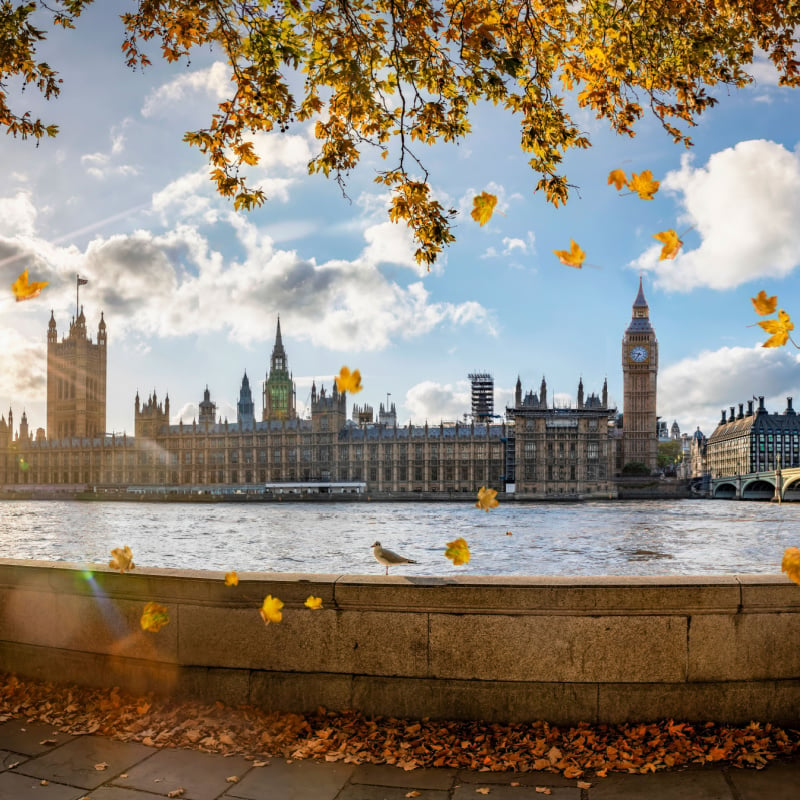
{"points": [[539, 451]]}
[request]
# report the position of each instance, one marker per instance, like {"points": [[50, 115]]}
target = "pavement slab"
{"points": [[74, 762], [469, 791], [387, 775], [24, 787], [202, 776], [30, 738], [300, 780], [697, 784], [9, 760], [522, 778], [777, 782], [362, 791], [118, 793]]}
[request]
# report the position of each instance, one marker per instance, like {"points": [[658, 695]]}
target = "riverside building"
{"points": [[538, 451]]}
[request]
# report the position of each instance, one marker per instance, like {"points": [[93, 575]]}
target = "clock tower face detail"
{"points": [[639, 374]]}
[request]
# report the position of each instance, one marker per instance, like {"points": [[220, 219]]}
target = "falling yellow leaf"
{"points": [[24, 290], [671, 244], [313, 602], [618, 178], [779, 328], [791, 563], [458, 552], [271, 609], [764, 305], [573, 257], [347, 381], [154, 617], [487, 498], [121, 559], [643, 184], [231, 579], [483, 207]]}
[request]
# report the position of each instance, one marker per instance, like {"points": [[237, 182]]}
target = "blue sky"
{"points": [[191, 290]]}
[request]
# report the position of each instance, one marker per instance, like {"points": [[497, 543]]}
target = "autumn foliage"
{"points": [[576, 751], [393, 77]]}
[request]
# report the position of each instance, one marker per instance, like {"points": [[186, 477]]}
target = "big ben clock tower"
{"points": [[639, 373]]}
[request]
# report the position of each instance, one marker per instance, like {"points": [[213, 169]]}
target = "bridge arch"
{"points": [[725, 491], [760, 488]]}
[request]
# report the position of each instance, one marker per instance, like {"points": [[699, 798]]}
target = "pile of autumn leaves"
{"points": [[578, 751]]}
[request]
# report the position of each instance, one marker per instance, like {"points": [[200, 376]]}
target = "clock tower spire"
{"points": [[639, 376]]}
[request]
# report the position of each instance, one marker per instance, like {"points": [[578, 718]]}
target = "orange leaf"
{"points": [[671, 244], [764, 305], [791, 563], [483, 207], [574, 257], [644, 185], [122, 559], [231, 579], [618, 178], [458, 552], [154, 617], [487, 498], [779, 328], [24, 290], [313, 603], [347, 381]]}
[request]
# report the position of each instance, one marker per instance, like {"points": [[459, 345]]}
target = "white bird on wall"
{"points": [[388, 557]]}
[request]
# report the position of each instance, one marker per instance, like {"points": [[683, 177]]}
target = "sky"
{"points": [[191, 290]]}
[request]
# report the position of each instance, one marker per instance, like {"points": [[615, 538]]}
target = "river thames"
{"points": [[661, 537]]}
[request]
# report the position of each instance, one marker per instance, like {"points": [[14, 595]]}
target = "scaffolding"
{"points": [[482, 396]]}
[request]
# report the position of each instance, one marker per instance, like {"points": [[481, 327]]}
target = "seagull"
{"points": [[388, 557]]}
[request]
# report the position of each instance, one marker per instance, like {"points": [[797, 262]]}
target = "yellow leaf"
{"points": [[764, 305], [458, 552], [24, 290], [791, 563], [487, 498], [573, 257], [313, 602], [347, 381], [643, 184], [121, 559], [483, 207], [271, 609], [231, 579], [779, 328], [671, 244], [618, 178], [154, 617]]}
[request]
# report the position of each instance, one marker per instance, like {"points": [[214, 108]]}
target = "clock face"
{"points": [[638, 354]]}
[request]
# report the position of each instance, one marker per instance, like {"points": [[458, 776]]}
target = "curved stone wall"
{"points": [[595, 649]]}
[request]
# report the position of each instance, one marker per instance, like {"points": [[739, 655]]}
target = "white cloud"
{"points": [[744, 204], [285, 151], [215, 80], [22, 365], [694, 391], [17, 215], [390, 243], [435, 402]]}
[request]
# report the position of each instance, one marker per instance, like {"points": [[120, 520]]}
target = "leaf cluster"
{"points": [[395, 74]]}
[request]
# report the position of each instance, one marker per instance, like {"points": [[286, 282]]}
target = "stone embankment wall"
{"points": [[607, 649]]}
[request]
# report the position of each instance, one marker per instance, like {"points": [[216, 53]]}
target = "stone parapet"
{"points": [[595, 649]]}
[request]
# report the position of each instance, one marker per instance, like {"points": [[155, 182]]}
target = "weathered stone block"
{"points": [[744, 647], [558, 648], [300, 692]]}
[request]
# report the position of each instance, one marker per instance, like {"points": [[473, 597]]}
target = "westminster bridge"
{"points": [[777, 484]]}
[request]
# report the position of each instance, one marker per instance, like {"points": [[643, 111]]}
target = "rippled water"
{"points": [[604, 538]]}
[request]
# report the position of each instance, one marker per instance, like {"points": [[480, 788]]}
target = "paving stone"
{"points": [[7, 759], [118, 793], [469, 791], [201, 775], [522, 778], [387, 775], [74, 762], [300, 780], [689, 785], [362, 791], [776, 782], [24, 787], [20, 736]]}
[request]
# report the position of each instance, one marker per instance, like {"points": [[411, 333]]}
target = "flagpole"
{"points": [[77, 290]]}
